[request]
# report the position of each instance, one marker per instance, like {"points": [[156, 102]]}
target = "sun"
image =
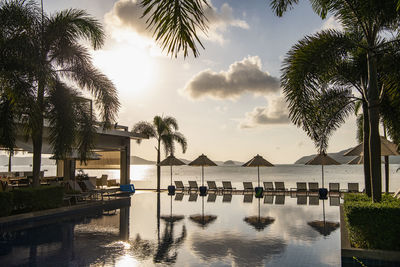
{"points": [[129, 64]]}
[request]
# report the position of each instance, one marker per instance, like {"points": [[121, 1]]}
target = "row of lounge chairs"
{"points": [[268, 199], [301, 187]]}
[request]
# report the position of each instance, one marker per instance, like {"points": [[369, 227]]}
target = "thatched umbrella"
{"points": [[171, 161], [387, 149], [258, 161], [324, 227], [258, 222], [201, 219], [202, 161], [322, 159]]}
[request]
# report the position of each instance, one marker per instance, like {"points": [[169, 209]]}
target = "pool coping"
{"points": [[347, 251], [35, 218]]}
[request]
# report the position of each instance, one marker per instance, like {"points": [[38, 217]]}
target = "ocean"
{"points": [[144, 176]]}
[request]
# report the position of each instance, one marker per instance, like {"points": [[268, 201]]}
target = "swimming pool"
{"points": [[187, 230]]}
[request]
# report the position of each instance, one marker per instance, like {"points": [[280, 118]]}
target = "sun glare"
{"points": [[128, 64]]}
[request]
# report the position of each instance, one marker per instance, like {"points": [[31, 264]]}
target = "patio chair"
{"points": [[179, 186], [248, 198], [268, 187], [212, 186], [193, 186], [227, 185], [102, 181], [313, 200], [280, 187], [227, 198], [334, 189], [193, 197], [248, 186], [352, 188], [269, 199]]}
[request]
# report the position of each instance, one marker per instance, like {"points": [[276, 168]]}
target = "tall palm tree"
{"points": [[369, 18], [165, 131], [43, 67], [334, 58]]}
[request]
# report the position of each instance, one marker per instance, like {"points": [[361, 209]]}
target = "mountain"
{"points": [[232, 163], [135, 160], [338, 156]]}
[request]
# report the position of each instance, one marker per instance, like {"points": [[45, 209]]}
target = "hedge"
{"points": [[6, 203], [373, 225], [40, 198]]}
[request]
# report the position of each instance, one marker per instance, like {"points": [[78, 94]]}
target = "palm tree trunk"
{"points": [[374, 139], [386, 165], [37, 136], [158, 166], [9, 162], [367, 171]]}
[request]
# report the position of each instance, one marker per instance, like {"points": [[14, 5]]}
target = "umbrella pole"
{"points": [[202, 175], [170, 211], [258, 171], [171, 174], [322, 167]]}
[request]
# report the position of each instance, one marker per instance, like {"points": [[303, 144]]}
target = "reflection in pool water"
{"points": [[184, 230]]}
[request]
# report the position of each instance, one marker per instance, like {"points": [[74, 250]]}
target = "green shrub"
{"points": [[40, 198], [373, 225], [6, 203]]}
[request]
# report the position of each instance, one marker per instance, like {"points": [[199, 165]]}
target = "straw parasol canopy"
{"points": [[171, 161], [201, 219], [258, 161], [258, 222], [324, 227], [202, 161], [322, 159], [387, 149]]}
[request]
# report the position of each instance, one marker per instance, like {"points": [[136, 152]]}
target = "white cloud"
{"points": [[275, 113], [244, 76], [126, 15], [332, 23]]}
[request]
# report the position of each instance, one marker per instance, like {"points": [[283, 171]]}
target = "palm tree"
{"points": [[164, 130], [369, 18], [42, 68], [333, 58], [175, 24]]}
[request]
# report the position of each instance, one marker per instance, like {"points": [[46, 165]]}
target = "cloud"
{"points": [[126, 14], [242, 77], [332, 23], [275, 113]]}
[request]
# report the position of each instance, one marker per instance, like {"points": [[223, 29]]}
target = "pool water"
{"points": [[188, 230]]}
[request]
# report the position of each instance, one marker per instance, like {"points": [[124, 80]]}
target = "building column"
{"points": [[125, 164]]}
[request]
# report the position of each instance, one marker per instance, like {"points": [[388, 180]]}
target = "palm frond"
{"points": [[180, 139], [175, 24], [171, 122], [146, 128], [7, 123]]}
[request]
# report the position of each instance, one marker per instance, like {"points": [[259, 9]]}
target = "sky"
{"points": [[228, 101]]}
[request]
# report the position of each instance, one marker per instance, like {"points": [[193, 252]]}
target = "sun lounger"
{"points": [[301, 188], [334, 201], [248, 186], [179, 186], [211, 197], [302, 200], [352, 187], [280, 187], [397, 194], [313, 200], [227, 186], [227, 198], [334, 188], [279, 200], [193, 197], [212, 186], [178, 196], [269, 199], [313, 187], [268, 187], [78, 193], [193, 186], [248, 198]]}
